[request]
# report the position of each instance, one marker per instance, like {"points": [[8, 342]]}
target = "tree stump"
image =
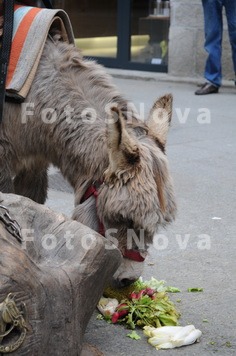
{"points": [[59, 272]]}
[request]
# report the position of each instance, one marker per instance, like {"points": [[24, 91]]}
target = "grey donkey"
{"points": [[76, 119]]}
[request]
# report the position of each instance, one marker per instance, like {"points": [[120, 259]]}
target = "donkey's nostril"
{"points": [[125, 282]]}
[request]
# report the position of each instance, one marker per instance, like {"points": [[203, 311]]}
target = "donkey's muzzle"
{"points": [[125, 282]]}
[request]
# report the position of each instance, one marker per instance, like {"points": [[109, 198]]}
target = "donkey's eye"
{"points": [[140, 131]]}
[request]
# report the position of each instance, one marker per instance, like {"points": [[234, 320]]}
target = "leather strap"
{"points": [[8, 13], [93, 190], [133, 255]]}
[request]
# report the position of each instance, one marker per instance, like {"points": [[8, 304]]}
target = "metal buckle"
{"points": [[11, 225], [12, 317]]}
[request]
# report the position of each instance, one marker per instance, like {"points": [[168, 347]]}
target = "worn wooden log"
{"points": [[59, 272]]}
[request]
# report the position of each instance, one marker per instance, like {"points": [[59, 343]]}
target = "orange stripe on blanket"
{"points": [[19, 40]]}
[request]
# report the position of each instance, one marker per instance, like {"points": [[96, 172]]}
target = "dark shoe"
{"points": [[207, 88]]}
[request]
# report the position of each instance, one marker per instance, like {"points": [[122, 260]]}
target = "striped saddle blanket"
{"points": [[31, 28]]}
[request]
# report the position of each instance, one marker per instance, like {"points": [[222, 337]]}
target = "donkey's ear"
{"points": [[122, 148], [160, 117]]}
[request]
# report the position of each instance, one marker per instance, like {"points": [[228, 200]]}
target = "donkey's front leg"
{"points": [[6, 184], [32, 182]]}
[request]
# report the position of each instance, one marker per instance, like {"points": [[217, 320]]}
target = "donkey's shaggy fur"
{"points": [[76, 119]]}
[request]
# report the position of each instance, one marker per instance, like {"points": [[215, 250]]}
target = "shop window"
{"points": [[129, 34], [95, 26], [150, 30]]}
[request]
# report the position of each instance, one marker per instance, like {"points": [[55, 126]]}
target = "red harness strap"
{"points": [[130, 254], [133, 255], [92, 190]]}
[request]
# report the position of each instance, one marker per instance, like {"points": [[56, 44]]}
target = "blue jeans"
{"points": [[213, 36]]}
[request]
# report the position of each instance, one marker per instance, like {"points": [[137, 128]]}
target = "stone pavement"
{"points": [[199, 249]]}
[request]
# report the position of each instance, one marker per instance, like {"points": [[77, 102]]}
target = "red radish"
{"points": [[115, 317]]}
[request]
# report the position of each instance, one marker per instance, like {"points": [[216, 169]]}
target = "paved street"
{"points": [[199, 249]]}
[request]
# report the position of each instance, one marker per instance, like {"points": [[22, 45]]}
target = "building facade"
{"points": [[149, 35]]}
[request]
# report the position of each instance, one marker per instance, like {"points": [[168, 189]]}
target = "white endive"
{"points": [[169, 337], [107, 306]]}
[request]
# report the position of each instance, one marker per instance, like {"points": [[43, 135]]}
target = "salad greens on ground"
{"points": [[144, 303]]}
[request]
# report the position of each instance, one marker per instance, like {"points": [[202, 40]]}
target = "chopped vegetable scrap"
{"points": [[195, 289], [173, 290], [169, 337], [107, 306], [142, 304], [133, 335]]}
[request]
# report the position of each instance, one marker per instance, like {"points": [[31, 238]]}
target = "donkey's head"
{"points": [[137, 195]]}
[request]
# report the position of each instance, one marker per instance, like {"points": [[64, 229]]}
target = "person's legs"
{"points": [[213, 39], [230, 9]]}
